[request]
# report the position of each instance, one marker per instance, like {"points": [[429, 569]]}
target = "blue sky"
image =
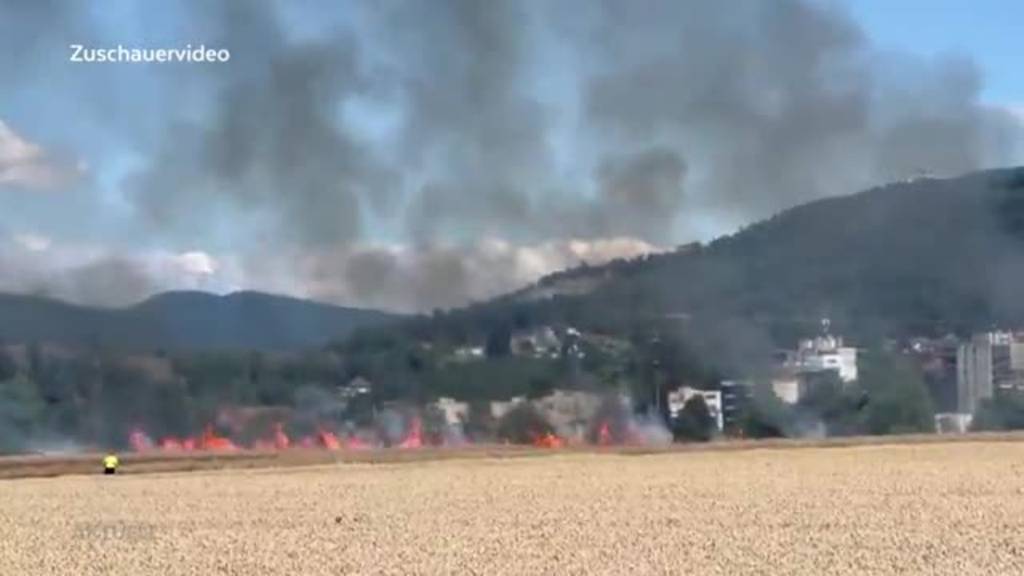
{"points": [[410, 155], [990, 31]]}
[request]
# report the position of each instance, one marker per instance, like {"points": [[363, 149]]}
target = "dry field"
{"points": [[931, 508]]}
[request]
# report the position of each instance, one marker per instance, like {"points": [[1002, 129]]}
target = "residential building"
{"points": [[468, 353], [825, 352], [813, 361], [540, 342]]}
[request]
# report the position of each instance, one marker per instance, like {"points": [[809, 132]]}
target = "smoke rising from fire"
{"points": [[438, 129]]}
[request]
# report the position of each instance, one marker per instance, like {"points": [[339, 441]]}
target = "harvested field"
{"points": [[930, 508]]}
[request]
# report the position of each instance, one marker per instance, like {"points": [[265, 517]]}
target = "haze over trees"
{"points": [[920, 258]]}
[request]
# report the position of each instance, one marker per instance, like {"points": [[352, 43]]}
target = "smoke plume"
{"points": [[375, 154]]}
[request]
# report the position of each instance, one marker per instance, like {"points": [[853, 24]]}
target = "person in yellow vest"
{"points": [[110, 463]]}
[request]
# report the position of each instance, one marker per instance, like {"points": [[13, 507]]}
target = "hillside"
{"points": [[927, 256], [184, 321]]}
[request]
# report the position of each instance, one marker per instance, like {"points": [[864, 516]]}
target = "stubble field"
{"points": [[904, 509]]}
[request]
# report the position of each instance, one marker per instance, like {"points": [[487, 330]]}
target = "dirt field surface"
{"points": [[930, 508]]}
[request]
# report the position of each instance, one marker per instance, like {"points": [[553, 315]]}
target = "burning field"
{"points": [[937, 508], [612, 423]]}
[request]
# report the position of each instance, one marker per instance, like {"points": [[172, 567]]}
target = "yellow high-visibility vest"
{"points": [[110, 461]]}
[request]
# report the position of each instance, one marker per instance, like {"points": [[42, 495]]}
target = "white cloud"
{"points": [[25, 164], [195, 263]]}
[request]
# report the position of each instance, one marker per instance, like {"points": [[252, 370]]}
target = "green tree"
{"points": [[523, 424], [435, 427], [480, 422], [765, 416], [897, 397], [1004, 413], [837, 405], [20, 408], [8, 367], [499, 342], [694, 421], [540, 387]]}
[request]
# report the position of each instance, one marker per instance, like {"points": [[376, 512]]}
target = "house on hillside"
{"points": [[541, 342], [468, 353], [355, 387]]}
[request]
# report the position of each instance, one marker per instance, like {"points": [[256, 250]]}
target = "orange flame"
{"points": [[281, 440], [261, 444], [414, 439], [211, 441], [170, 444], [548, 440], [328, 439], [357, 443], [139, 441]]}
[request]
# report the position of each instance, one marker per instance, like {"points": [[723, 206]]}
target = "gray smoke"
{"points": [[642, 191], [782, 102], [428, 276], [108, 282], [443, 126], [475, 133], [273, 150]]}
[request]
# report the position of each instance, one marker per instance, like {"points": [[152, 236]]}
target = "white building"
{"points": [[678, 398], [468, 353], [825, 353], [799, 368]]}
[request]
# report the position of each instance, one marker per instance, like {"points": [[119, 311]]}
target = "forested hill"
{"points": [[926, 256], [184, 321]]}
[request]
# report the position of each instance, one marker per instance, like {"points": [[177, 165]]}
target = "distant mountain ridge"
{"points": [[185, 321]]}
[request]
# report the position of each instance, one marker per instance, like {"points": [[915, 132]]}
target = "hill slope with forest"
{"points": [[927, 256]]}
